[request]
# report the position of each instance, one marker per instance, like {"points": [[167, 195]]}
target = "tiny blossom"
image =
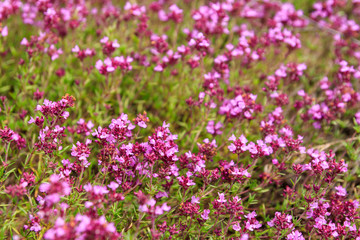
{"points": [[55, 189], [33, 224], [4, 31], [161, 194], [221, 198], [340, 191], [109, 46], [239, 145], [81, 152], [56, 109], [105, 67], [189, 209], [134, 9], [175, 14], [213, 128], [195, 199], [113, 186], [236, 227], [281, 221], [82, 227], [141, 120], [295, 235], [205, 214], [251, 223], [123, 63], [81, 53], [200, 42], [225, 73], [9, 136], [82, 127], [149, 207], [16, 190], [357, 118], [38, 95]]}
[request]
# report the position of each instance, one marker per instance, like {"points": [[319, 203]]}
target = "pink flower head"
{"points": [[213, 128], [105, 67], [55, 189]]}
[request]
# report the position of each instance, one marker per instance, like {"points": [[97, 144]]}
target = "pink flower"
{"points": [[221, 198], [158, 68], [105, 67], [319, 222], [55, 189], [75, 49], [236, 227], [357, 118], [194, 199], [142, 124], [252, 224], [161, 194], [113, 186], [24, 42], [205, 214], [340, 191], [295, 235], [4, 31], [165, 207]]}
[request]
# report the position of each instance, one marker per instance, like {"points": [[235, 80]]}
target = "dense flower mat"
{"points": [[236, 119]]}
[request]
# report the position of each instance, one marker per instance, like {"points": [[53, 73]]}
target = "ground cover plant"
{"points": [[233, 119]]}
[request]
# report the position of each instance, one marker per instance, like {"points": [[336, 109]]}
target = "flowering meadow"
{"points": [[222, 119]]}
